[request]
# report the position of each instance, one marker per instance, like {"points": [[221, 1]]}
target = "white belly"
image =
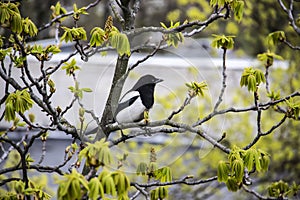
{"points": [[131, 113]]}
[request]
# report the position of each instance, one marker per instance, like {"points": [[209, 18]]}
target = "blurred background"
{"points": [[195, 59]]}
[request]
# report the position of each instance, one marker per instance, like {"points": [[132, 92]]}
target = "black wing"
{"points": [[126, 104]]}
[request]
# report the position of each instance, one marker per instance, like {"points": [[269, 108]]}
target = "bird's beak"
{"points": [[158, 80]]}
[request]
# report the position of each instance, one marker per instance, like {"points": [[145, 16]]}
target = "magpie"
{"points": [[137, 100]]}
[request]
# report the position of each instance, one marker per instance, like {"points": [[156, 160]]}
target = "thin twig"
{"points": [[291, 46], [262, 106], [146, 57], [57, 19], [224, 76], [186, 102], [142, 190], [185, 180], [256, 194], [258, 136], [289, 12]]}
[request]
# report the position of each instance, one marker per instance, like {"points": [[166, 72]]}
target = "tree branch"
{"points": [[185, 180], [214, 16], [262, 106], [224, 76], [173, 124], [260, 134], [56, 19], [289, 12], [291, 46], [256, 194]]}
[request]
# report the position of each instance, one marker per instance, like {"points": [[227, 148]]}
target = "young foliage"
{"points": [[95, 189], [196, 89], [78, 92], [120, 42], [251, 78], [276, 37], [281, 189], [232, 171], [16, 24], [44, 54], [238, 9], [293, 110], [19, 191], [97, 37], [142, 169], [19, 101], [73, 34], [274, 95], [122, 183], [29, 27], [97, 154], [58, 10], [73, 186], [70, 67], [173, 38], [10, 17], [268, 58], [107, 182], [236, 5], [78, 12], [223, 171], [159, 193], [4, 53], [110, 35], [222, 41]]}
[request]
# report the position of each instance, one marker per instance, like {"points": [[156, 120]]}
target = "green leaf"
{"points": [[196, 89], [278, 189], [238, 7], [274, 95], [220, 3], [222, 171], [222, 41], [19, 101], [58, 10], [249, 158], [276, 37], [16, 24], [293, 110], [97, 154], [29, 27], [109, 185], [252, 78], [238, 169], [232, 184], [70, 67], [141, 169], [4, 53], [95, 189], [86, 89], [121, 43], [72, 186], [122, 182], [73, 34], [172, 38], [97, 36], [164, 174], [268, 57]]}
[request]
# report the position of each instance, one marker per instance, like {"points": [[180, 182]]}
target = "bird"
{"points": [[137, 100]]}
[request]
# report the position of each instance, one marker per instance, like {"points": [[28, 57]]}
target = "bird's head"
{"points": [[146, 80]]}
